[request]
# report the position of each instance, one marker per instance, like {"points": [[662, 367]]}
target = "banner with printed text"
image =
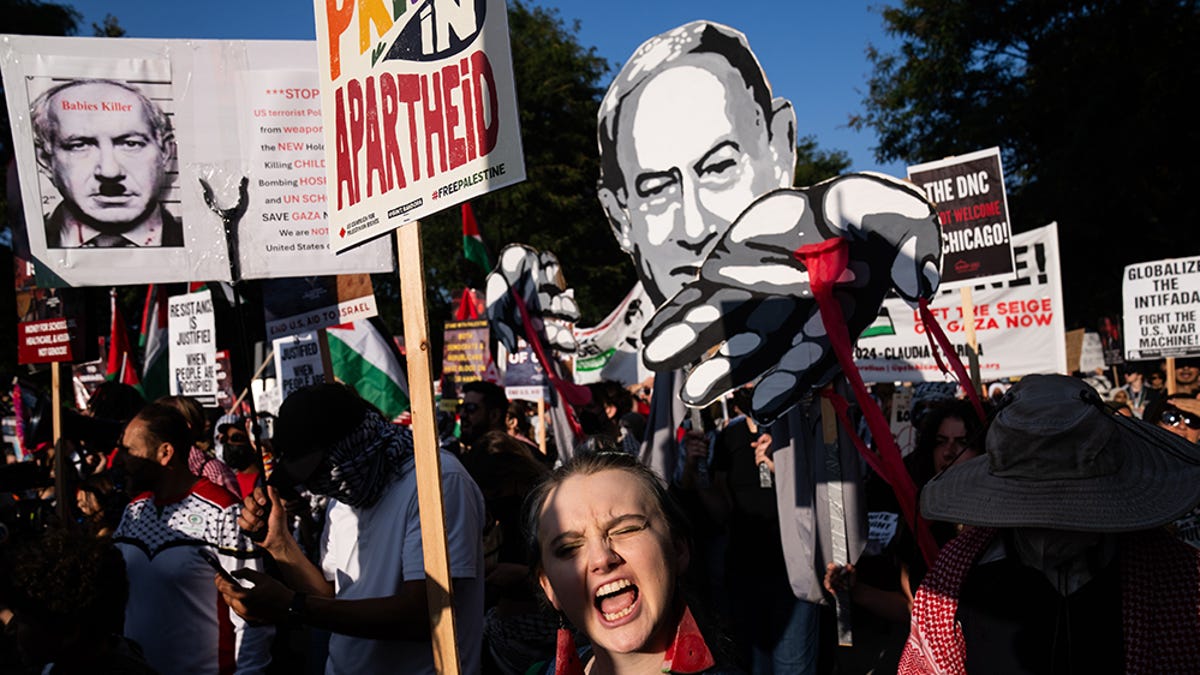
{"points": [[1019, 323], [1162, 309], [420, 110], [200, 160], [973, 212]]}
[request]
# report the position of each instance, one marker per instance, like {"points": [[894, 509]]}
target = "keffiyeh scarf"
{"points": [[358, 468]]}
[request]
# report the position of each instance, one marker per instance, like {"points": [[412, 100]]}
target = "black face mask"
{"points": [[141, 475], [240, 456]]}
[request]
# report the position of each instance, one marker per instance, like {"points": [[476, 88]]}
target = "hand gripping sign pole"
{"points": [[425, 448]]}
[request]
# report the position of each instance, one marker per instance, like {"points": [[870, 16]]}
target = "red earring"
{"points": [[689, 652]]}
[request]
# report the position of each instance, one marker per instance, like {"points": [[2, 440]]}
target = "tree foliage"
{"points": [[559, 84], [1085, 100], [814, 165]]}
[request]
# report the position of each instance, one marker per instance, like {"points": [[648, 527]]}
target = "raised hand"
{"points": [[752, 298], [537, 278]]}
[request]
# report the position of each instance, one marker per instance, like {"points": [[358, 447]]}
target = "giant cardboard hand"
{"points": [[752, 296], [537, 278]]}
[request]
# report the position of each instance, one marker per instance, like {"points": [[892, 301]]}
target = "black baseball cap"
{"points": [[310, 421]]}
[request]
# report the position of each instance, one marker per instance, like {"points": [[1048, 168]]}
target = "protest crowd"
{"points": [[745, 469]]}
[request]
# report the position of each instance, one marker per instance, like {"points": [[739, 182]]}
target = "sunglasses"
{"points": [[1174, 418]]}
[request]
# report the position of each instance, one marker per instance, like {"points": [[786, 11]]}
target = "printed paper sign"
{"points": [[45, 341], [1019, 323], [189, 197], [311, 303], [1162, 309], [298, 362], [465, 355], [973, 211], [192, 340], [524, 377], [285, 232], [420, 110]]}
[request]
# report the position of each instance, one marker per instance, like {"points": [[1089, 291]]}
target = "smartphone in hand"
{"points": [[211, 559]]}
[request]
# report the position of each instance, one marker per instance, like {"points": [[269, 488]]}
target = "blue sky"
{"points": [[814, 53]]}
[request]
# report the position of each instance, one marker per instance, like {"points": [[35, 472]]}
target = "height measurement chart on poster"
{"points": [[1162, 309], [973, 212], [192, 346], [420, 110]]}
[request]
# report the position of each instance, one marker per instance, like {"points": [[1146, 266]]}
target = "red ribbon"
{"points": [[572, 393], [826, 261], [934, 331]]}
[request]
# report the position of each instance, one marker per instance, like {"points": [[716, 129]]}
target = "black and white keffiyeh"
{"points": [[358, 467]]}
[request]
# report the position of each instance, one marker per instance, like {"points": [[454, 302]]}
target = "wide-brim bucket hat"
{"points": [[1058, 458]]}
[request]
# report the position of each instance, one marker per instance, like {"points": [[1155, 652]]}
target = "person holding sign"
{"points": [[106, 147], [369, 589]]}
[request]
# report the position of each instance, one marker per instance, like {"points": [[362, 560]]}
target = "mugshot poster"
{"points": [[146, 146], [310, 303], [1161, 302], [973, 212], [420, 110], [1019, 323]]}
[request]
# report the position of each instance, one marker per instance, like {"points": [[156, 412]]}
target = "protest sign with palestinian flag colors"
{"points": [[366, 359], [420, 110]]}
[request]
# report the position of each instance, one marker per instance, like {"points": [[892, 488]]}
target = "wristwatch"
{"points": [[298, 610]]}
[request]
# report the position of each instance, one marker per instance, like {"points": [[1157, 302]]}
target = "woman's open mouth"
{"points": [[616, 600]]}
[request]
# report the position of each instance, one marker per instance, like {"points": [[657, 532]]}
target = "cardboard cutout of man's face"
{"points": [[107, 163], [695, 148]]}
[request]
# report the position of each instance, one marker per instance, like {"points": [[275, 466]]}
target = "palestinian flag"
{"points": [[365, 358], [153, 343], [473, 248], [121, 365], [882, 325]]}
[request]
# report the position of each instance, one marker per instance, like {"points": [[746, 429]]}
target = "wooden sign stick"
{"points": [[425, 449], [968, 317], [1171, 386], [60, 455]]}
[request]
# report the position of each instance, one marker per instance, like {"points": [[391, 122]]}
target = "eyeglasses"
{"points": [[1174, 418]]}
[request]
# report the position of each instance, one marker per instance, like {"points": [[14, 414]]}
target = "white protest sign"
{"points": [[298, 362], [286, 227], [192, 346], [1019, 323], [1091, 357], [420, 110], [181, 98], [1162, 309]]}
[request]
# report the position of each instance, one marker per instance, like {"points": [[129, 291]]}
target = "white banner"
{"points": [[1161, 301], [116, 141], [420, 110], [1019, 323], [611, 350], [192, 346]]}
